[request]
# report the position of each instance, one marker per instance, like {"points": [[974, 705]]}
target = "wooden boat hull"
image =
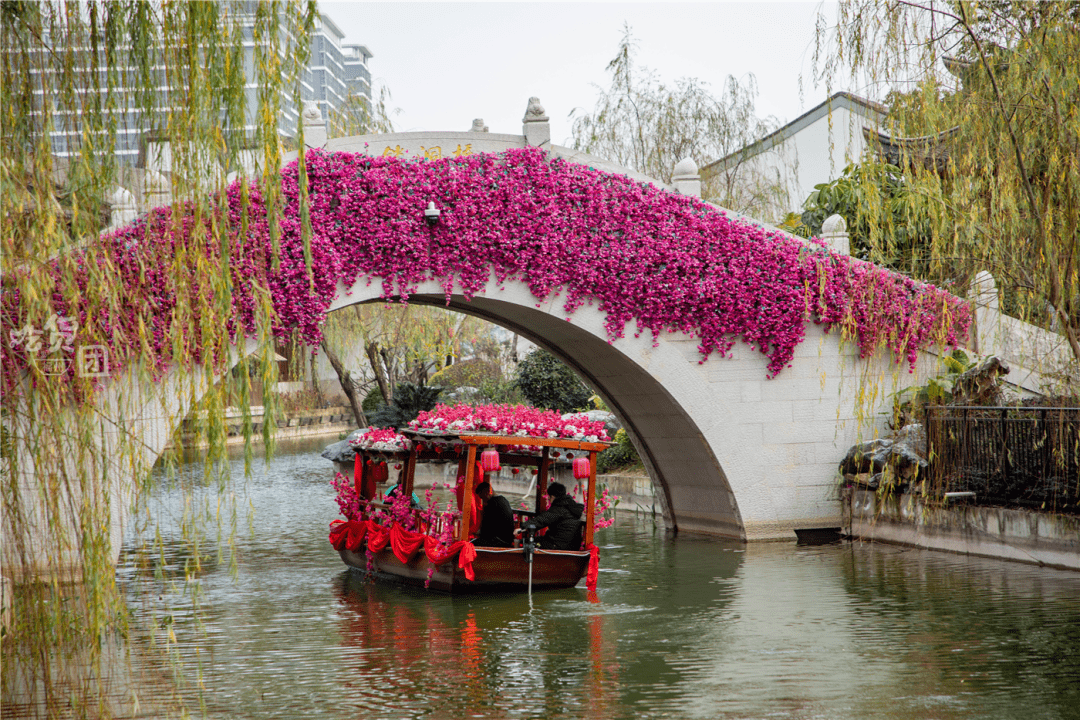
{"points": [[495, 570]]}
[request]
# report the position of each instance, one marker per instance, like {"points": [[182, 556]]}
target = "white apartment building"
{"points": [[812, 149]]}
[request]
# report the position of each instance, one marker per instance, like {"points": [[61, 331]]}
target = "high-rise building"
{"points": [[334, 72]]}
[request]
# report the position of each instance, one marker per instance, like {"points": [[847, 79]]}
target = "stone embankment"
{"points": [[303, 423], [1040, 538]]}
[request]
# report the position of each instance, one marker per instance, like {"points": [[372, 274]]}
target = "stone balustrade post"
{"points": [[834, 233], [535, 125], [122, 208], [984, 290], [686, 179], [314, 125], [156, 190]]}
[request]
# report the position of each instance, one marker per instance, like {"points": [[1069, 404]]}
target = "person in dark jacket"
{"points": [[497, 523], [562, 519]]}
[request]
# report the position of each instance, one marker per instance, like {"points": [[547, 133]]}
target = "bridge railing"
{"points": [[1007, 455]]}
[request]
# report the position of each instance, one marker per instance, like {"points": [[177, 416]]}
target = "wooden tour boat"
{"points": [[393, 553]]}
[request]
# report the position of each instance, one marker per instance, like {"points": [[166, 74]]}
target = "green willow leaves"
{"points": [[985, 125], [102, 103]]}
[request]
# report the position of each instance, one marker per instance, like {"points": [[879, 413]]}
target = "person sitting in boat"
{"points": [[392, 492], [497, 521], [562, 519]]}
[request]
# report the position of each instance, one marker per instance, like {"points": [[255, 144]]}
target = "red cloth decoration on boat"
{"points": [[347, 534], [339, 529], [594, 567], [404, 543], [378, 537], [466, 557]]}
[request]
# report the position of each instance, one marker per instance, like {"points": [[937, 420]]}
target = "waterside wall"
{"points": [[1039, 538], [304, 423]]}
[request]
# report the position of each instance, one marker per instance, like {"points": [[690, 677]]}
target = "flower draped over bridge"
{"points": [[646, 258]]}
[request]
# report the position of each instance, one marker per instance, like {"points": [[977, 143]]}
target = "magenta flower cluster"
{"points": [[521, 420], [603, 502], [385, 439], [663, 262]]}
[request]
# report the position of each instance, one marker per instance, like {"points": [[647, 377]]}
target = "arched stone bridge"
{"points": [[732, 452]]}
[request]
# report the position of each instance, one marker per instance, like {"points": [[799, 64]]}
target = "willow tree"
{"points": [[986, 127], [375, 347], [649, 126], [77, 78]]}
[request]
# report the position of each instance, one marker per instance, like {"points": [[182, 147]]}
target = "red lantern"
{"points": [[515, 471], [489, 460], [581, 468]]}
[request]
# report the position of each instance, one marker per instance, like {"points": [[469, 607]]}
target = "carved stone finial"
{"points": [[311, 113], [686, 168], [984, 289], [535, 125], [314, 125], [834, 233], [122, 207], [834, 224], [535, 111], [478, 125], [122, 197], [685, 178]]}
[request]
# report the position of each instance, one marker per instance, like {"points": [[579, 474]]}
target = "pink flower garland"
{"points": [[666, 262], [521, 420]]}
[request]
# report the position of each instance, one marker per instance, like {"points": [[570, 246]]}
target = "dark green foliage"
{"points": [[909, 405], [548, 383], [372, 401], [409, 401], [620, 455]]}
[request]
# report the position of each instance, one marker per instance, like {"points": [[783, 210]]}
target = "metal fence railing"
{"points": [[1007, 455]]}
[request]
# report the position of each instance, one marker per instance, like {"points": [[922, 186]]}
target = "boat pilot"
{"points": [[562, 519], [497, 523]]}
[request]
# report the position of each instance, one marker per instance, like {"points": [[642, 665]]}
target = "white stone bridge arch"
{"points": [[731, 453]]}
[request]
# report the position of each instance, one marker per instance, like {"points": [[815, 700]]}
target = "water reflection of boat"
{"points": [[438, 554]]}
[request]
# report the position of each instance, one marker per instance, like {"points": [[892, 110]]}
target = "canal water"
{"points": [[679, 627]]}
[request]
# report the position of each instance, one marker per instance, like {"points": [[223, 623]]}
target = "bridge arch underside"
{"points": [[731, 452], [671, 445]]}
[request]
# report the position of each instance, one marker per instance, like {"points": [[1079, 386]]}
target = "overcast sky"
{"points": [[447, 63]]}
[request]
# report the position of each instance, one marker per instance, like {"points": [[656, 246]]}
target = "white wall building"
{"points": [[811, 149]]}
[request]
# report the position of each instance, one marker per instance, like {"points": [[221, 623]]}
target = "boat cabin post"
{"points": [[590, 502], [467, 498], [409, 475], [542, 478]]}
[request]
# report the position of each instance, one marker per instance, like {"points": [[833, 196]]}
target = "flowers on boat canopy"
{"points": [[380, 439], [509, 420]]}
